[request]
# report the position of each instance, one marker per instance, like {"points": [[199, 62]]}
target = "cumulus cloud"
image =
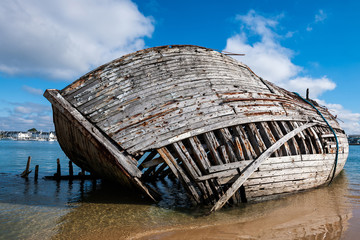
{"points": [[31, 90], [64, 39], [317, 85], [23, 116], [348, 120], [269, 59], [319, 17]]}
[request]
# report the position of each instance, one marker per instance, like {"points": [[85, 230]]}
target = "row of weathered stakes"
{"points": [[57, 176]]}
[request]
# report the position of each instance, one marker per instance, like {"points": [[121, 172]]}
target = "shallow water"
{"points": [[94, 209]]}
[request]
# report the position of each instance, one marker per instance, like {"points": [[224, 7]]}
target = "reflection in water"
{"points": [[107, 213], [93, 210]]}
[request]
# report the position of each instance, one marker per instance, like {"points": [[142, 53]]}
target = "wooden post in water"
{"points": [[26, 173], [58, 170], [71, 170], [36, 172]]}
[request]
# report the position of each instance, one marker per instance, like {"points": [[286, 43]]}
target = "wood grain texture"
{"points": [[158, 96], [195, 114]]}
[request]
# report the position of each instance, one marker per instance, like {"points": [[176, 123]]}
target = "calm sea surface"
{"points": [[47, 209]]}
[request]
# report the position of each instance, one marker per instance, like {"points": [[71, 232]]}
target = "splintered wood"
{"points": [[197, 116]]}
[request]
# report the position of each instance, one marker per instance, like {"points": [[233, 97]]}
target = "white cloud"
{"points": [[22, 109], [269, 59], [348, 120], [316, 85], [64, 38], [321, 16], [24, 116], [33, 91]]}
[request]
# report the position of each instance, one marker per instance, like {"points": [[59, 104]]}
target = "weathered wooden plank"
{"points": [[227, 141], [190, 128], [279, 178], [239, 149], [212, 145], [300, 138], [200, 154], [273, 161], [187, 160], [302, 185], [65, 108], [284, 176], [267, 169], [178, 172], [224, 154], [190, 166], [284, 129], [127, 165], [319, 146], [266, 135], [256, 143], [255, 164], [249, 151], [285, 150]]}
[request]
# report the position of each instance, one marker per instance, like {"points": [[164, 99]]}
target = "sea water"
{"points": [[47, 209]]}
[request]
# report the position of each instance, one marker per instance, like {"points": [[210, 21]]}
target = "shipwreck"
{"points": [[200, 117]]}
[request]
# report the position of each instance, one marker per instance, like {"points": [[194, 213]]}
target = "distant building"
{"points": [[354, 139], [29, 136]]}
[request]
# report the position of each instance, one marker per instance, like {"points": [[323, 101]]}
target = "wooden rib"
{"points": [[246, 173], [240, 142], [252, 138], [239, 149], [267, 136], [309, 144], [224, 154], [285, 130], [309, 141], [200, 154], [178, 172], [245, 140], [190, 166], [317, 140], [301, 140], [290, 128], [204, 164], [189, 163], [212, 145], [278, 134], [226, 139], [258, 137]]}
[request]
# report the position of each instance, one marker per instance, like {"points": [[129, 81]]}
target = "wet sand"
{"points": [[97, 210], [322, 213], [318, 214]]}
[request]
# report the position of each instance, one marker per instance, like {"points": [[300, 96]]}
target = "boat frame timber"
{"points": [[224, 142]]}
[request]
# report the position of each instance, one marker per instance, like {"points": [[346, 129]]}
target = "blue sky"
{"points": [[295, 44]]}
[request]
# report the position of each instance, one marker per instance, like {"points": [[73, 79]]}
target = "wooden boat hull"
{"points": [[200, 116]]}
